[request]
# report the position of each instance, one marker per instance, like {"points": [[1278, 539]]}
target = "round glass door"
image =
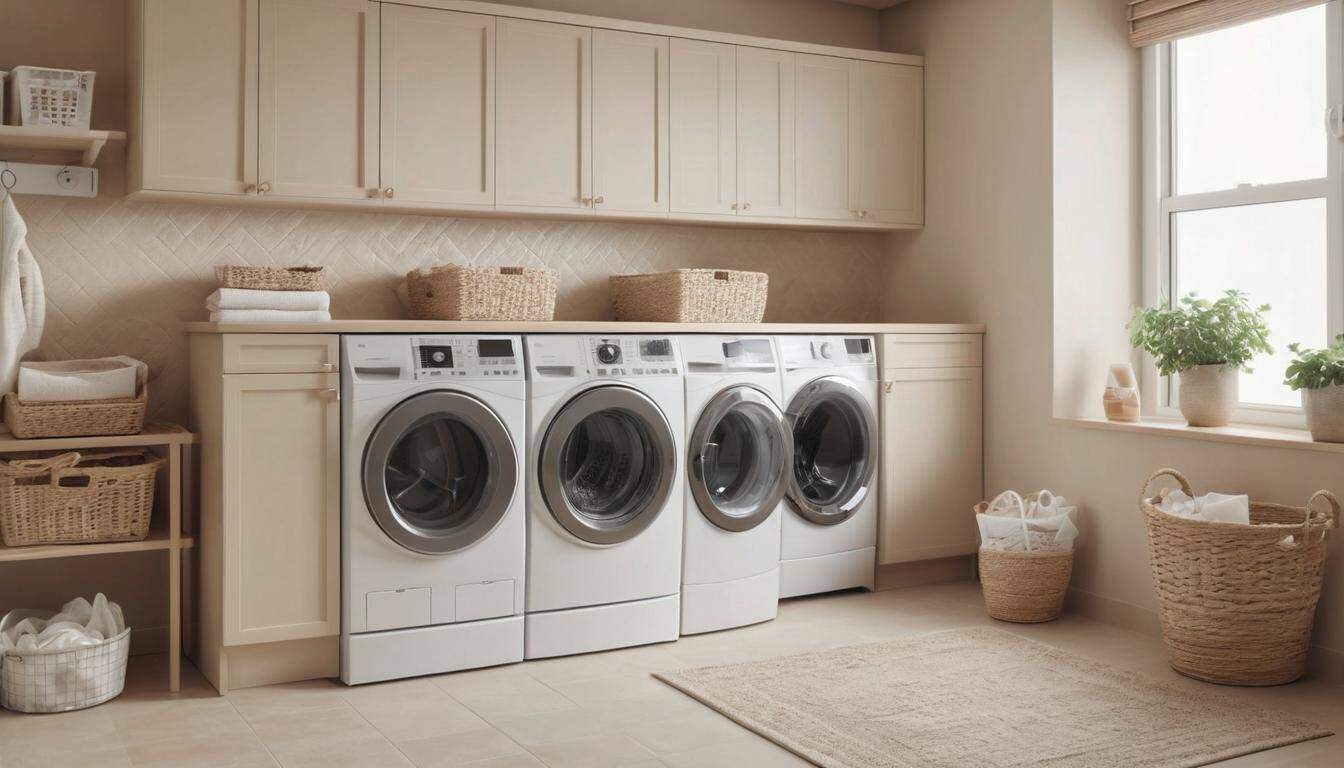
{"points": [[439, 472], [740, 455], [606, 464], [834, 450]]}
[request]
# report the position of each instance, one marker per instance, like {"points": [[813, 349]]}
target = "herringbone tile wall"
{"points": [[121, 277]]}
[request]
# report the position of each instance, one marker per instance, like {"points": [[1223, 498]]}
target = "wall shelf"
{"points": [[156, 541], [43, 137]]}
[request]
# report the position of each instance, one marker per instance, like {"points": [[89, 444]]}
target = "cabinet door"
{"points": [[199, 110], [629, 122], [932, 463], [318, 99], [892, 188], [704, 127], [765, 137], [438, 106], [544, 115], [827, 157], [281, 519]]}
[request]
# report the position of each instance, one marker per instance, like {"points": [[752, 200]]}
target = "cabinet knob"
{"points": [[331, 394], [863, 214], [327, 367], [388, 193], [599, 200], [264, 187], [887, 388], [746, 206], [374, 193], [585, 201], [250, 189], [734, 206]]}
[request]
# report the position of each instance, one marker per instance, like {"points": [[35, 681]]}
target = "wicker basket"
{"points": [[76, 418], [482, 293], [77, 499], [1237, 601], [270, 278], [66, 679], [1024, 587], [691, 296]]}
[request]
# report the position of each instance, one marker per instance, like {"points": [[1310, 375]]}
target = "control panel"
{"points": [[468, 357], [822, 351], [633, 355]]}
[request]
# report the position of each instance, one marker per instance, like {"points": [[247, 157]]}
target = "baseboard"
{"points": [[923, 572]]}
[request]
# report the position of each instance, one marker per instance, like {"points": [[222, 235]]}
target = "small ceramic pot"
{"points": [[1209, 395], [1325, 413]]}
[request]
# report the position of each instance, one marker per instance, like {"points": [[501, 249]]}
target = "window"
{"points": [[1243, 179]]}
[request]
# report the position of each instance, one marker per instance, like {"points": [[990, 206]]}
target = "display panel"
{"points": [[494, 348], [858, 346], [655, 348]]}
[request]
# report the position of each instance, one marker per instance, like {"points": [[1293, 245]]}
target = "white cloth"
{"points": [[241, 298], [98, 379], [23, 305], [79, 623], [267, 316], [1211, 507], [1041, 521]]}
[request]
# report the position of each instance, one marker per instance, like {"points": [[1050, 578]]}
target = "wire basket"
{"points": [[64, 679], [691, 296]]}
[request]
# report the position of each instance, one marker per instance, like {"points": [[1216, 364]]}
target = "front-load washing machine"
{"points": [[738, 458], [433, 551], [606, 424], [829, 537]]}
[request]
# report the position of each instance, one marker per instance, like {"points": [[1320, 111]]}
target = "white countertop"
{"points": [[576, 326]]}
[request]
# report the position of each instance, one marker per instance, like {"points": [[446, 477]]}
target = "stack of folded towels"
{"points": [[245, 305]]}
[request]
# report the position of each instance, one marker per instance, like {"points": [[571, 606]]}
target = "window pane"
{"points": [[1276, 253], [1249, 103]]}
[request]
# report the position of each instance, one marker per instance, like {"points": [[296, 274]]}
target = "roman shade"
{"points": [[1158, 21]]}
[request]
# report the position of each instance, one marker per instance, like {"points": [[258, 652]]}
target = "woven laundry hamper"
{"points": [[76, 418], [77, 499], [1023, 587], [452, 292], [691, 296], [1237, 602], [270, 278]]}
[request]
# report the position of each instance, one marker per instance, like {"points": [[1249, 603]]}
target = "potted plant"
{"points": [[1319, 374], [1208, 343]]}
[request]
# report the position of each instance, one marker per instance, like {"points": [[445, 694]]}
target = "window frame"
{"points": [[1160, 393]]}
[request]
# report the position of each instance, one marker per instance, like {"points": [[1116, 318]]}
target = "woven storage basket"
{"points": [[691, 296], [77, 499], [1237, 601], [64, 679], [1023, 587], [270, 278], [454, 292], [76, 418]]}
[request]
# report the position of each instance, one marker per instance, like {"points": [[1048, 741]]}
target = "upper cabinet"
{"points": [[379, 105]]}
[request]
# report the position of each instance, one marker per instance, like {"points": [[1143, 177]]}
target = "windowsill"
{"points": [[1240, 434]]}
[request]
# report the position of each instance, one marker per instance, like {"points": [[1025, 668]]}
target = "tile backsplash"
{"points": [[121, 276]]}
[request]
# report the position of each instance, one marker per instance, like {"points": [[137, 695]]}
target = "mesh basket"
{"points": [[65, 679], [59, 97]]}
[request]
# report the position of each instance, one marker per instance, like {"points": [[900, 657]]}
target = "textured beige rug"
{"points": [[982, 697]]}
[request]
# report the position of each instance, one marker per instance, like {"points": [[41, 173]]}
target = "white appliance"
{"points": [[605, 511], [738, 463], [433, 547], [829, 537]]}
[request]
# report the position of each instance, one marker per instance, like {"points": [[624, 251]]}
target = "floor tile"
{"points": [[413, 709], [505, 694], [736, 754], [605, 751], [459, 748], [679, 734]]}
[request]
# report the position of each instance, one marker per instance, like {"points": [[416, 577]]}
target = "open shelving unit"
{"points": [[166, 533], [87, 143]]}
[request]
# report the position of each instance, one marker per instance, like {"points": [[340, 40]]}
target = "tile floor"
{"points": [[596, 710]]}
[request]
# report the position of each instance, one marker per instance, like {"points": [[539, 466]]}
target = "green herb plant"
{"points": [[1227, 332], [1316, 368]]}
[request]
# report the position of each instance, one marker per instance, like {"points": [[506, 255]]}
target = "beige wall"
{"points": [[1032, 228]]}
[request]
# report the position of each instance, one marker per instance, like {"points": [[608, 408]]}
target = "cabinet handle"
{"points": [[388, 193], [585, 201], [327, 367], [599, 200], [250, 189], [887, 388], [264, 187], [863, 214], [746, 206], [374, 193], [331, 393]]}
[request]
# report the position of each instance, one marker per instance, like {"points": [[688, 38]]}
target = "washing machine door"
{"points": [[606, 464], [834, 450], [740, 453], [439, 472]]}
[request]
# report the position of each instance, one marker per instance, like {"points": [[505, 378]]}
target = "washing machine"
{"points": [[433, 514], [829, 535], [604, 520], [739, 454]]}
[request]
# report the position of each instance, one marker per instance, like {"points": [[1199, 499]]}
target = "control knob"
{"points": [[608, 354], [826, 350], [438, 356]]}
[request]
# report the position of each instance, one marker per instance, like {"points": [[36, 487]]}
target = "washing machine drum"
{"points": [[439, 472], [606, 464], [834, 450], [740, 453]]}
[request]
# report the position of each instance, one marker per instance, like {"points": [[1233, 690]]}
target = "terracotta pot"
{"points": [[1325, 413], [1209, 395]]}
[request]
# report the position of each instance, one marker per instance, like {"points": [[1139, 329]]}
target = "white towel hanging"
{"points": [[22, 300]]}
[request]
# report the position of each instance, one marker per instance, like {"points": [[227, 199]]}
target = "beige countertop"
{"points": [[576, 326]]}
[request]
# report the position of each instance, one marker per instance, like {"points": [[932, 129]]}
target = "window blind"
{"points": [[1158, 21]]}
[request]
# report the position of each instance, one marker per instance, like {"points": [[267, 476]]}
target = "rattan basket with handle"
{"points": [[270, 278], [1024, 587], [76, 418], [1236, 601], [691, 296], [74, 498], [452, 292]]}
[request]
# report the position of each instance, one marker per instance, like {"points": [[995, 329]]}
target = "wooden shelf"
{"points": [[43, 137], [153, 434], [157, 540]]}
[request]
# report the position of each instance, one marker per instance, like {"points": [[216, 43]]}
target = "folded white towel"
{"points": [[242, 298], [267, 316], [66, 380]]}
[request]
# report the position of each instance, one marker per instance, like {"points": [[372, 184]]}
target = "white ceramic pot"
{"points": [[1325, 413], [1209, 395]]}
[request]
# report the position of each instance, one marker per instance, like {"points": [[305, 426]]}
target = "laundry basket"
{"points": [[691, 296], [452, 292], [75, 499], [1024, 587], [1237, 602], [57, 97], [64, 679]]}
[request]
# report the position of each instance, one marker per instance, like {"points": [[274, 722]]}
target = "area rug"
{"points": [[982, 697]]}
